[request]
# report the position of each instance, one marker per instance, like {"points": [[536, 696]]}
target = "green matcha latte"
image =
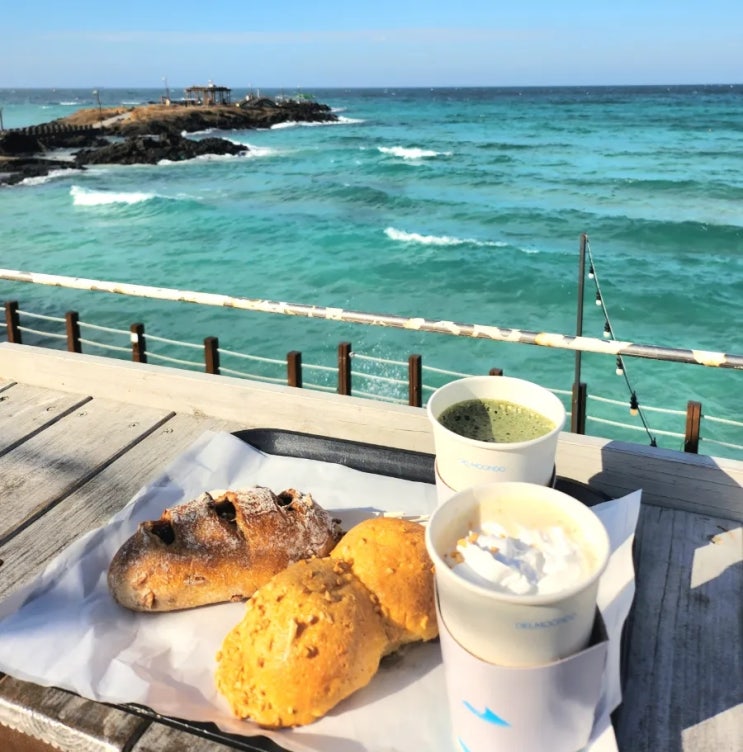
{"points": [[493, 420]]}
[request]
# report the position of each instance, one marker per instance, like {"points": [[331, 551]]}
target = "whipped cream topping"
{"points": [[530, 562]]}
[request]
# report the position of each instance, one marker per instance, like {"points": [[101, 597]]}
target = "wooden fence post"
{"points": [[211, 355], [578, 408], [415, 381], [344, 368], [72, 325], [693, 423], [139, 348], [294, 368], [12, 322]]}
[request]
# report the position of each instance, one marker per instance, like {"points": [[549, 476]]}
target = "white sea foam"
{"points": [[262, 151], [205, 132], [89, 197], [414, 237], [412, 152], [53, 175], [203, 158], [309, 124]]}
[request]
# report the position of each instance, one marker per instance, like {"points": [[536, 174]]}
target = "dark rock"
{"points": [[17, 169], [153, 149], [16, 143]]}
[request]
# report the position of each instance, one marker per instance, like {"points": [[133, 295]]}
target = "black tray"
{"points": [[370, 458]]}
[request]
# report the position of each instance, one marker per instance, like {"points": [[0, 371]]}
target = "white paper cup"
{"points": [[465, 462], [444, 490], [508, 629], [506, 709]]}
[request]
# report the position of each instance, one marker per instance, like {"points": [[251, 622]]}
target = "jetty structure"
{"points": [[149, 133]]}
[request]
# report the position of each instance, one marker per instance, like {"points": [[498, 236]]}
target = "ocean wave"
{"points": [[89, 197], [412, 152], [310, 124], [205, 132], [202, 158], [51, 175], [441, 240], [261, 151]]}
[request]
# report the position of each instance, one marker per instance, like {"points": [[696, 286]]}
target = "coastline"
{"points": [[144, 134]]}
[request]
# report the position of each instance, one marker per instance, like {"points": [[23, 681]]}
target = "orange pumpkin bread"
{"points": [[309, 638]]}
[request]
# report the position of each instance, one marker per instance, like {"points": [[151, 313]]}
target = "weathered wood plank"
{"points": [[40, 472], [64, 720], [26, 410], [678, 480], [26, 554], [685, 654]]}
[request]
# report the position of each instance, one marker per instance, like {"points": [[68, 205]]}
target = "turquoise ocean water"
{"points": [[455, 204]]}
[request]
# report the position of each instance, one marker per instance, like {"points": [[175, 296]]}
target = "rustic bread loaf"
{"points": [[218, 548]]}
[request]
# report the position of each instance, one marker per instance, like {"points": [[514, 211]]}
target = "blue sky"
{"points": [[319, 43]]}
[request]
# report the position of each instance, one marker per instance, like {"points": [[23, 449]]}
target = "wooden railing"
{"points": [[294, 370]]}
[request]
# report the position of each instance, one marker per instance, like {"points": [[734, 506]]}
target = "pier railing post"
{"points": [[211, 355], [72, 325], [12, 322], [415, 380], [139, 347], [294, 368], [693, 424], [578, 407], [344, 368], [575, 425]]}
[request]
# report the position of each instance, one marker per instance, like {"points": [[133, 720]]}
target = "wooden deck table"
{"points": [[79, 435]]}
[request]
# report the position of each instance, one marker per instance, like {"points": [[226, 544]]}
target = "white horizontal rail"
{"points": [[707, 358]]}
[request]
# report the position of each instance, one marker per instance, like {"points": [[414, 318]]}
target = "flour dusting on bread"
{"points": [[218, 547]]}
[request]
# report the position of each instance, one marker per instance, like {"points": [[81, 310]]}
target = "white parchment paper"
{"points": [[65, 630]]}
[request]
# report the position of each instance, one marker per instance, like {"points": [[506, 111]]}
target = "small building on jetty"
{"points": [[208, 95]]}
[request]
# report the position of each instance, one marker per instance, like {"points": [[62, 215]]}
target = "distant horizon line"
{"points": [[382, 87]]}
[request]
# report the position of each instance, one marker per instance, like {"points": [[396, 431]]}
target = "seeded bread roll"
{"points": [[316, 632], [218, 548], [389, 556], [309, 638]]}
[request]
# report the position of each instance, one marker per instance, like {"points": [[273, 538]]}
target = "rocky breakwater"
{"points": [[141, 135]]}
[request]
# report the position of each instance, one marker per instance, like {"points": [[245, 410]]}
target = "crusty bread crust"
{"points": [[309, 638], [389, 556], [218, 548], [315, 633]]}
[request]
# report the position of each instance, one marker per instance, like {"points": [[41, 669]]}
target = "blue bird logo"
{"points": [[486, 715]]}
